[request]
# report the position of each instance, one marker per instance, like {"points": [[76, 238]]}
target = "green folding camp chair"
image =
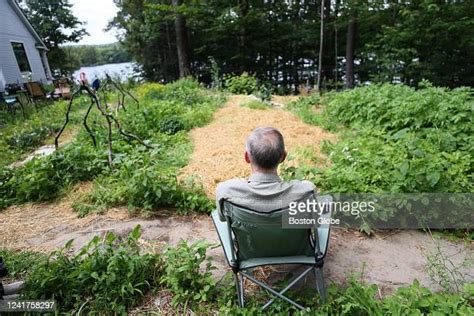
{"points": [[250, 239]]}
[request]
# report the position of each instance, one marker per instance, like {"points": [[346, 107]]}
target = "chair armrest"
{"points": [[225, 237]]}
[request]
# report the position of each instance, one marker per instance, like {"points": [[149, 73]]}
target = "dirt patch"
{"points": [[31, 226], [219, 146]]}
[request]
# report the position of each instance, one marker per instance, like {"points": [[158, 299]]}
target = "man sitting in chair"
{"points": [[264, 190]]}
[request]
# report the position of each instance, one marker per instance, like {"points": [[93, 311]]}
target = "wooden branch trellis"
{"points": [[121, 93], [111, 120]]}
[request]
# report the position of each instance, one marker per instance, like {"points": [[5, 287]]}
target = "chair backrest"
{"points": [[261, 235], [35, 89]]}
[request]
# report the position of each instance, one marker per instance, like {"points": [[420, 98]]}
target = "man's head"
{"points": [[265, 149]]}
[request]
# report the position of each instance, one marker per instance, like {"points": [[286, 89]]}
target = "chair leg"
{"points": [[242, 294], [290, 285], [240, 289], [318, 274]]}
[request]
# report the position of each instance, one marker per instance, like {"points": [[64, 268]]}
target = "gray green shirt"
{"points": [[263, 192]]}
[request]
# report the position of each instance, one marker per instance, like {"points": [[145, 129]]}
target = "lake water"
{"points": [[122, 70]]}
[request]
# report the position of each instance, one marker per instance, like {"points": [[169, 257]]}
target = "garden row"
{"points": [[393, 139], [142, 177]]}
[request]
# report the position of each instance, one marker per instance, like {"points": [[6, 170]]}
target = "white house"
{"points": [[22, 52]]}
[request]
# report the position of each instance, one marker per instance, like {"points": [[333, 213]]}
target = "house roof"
{"points": [[39, 43]]}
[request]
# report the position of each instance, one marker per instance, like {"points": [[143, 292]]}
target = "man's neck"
{"points": [[265, 171]]}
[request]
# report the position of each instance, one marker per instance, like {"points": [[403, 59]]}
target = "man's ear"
{"points": [[247, 157], [284, 156]]}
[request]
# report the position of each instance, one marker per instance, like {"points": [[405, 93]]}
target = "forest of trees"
{"points": [[91, 55], [281, 40]]}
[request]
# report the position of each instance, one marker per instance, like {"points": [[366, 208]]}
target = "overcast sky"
{"points": [[96, 13]]}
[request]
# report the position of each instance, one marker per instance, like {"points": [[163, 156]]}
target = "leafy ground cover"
{"points": [[112, 275], [141, 178], [394, 139], [19, 135]]}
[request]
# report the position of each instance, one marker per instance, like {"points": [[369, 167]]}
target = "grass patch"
{"points": [[256, 105]]}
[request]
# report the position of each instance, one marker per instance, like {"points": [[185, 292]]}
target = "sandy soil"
{"points": [[388, 260]]}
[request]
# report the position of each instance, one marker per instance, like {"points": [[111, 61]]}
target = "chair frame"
{"points": [[10, 106], [241, 273]]}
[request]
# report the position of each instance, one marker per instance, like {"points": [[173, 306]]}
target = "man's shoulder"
{"points": [[224, 186], [303, 185]]}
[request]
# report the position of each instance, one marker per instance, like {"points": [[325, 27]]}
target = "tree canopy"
{"points": [[56, 25], [278, 41]]}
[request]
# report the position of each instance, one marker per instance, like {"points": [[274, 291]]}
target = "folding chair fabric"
{"points": [[259, 235]]}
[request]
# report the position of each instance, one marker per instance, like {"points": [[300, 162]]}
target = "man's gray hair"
{"points": [[266, 147]]}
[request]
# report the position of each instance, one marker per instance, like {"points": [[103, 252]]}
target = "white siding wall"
{"points": [[12, 29]]}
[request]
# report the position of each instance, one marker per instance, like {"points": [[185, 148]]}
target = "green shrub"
{"points": [[171, 125], [21, 263], [183, 275], [108, 275], [43, 179], [149, 90], [243, 84], [265, 91]]}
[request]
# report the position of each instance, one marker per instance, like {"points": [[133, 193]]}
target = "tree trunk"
{"points": [[350, 49], [182, 45], [321, 46], [242, 36]]}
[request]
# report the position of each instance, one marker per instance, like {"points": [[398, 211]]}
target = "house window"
{"points": [[21, 57]]}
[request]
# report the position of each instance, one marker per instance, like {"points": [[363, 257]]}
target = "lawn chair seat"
{"points": [[35, 90], [250, 239]]}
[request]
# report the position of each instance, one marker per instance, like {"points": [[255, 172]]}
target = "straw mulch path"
{"points": [[219, 146], [29, 225]]}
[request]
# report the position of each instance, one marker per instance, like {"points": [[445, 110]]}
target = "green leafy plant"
{"points": [[107, 275], [171, 125], [32, 138], [18, 137], [184, 276], [243, 84], [21, 263], [393, 138]]}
